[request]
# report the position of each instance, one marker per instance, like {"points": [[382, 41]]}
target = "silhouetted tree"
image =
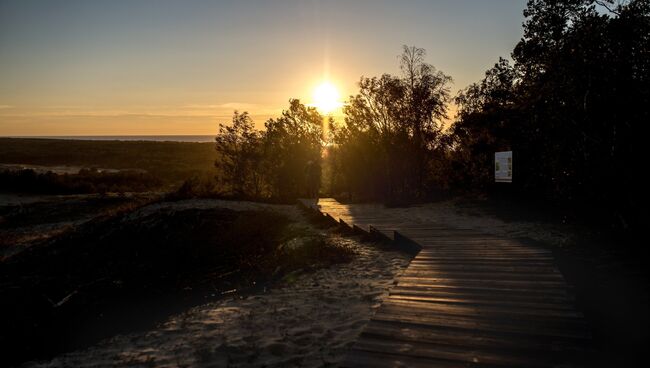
{"points": [[572, 108], [486, 112], [367, 141], [427, 95], [391, 129], [240, 160], [292, 147], [283, 161]]}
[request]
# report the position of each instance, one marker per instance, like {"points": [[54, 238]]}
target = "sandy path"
{"points": [[308, 323], [451, 214]]}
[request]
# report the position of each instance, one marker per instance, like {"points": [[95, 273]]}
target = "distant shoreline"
{"points": [[148, 138], [173, 162]]}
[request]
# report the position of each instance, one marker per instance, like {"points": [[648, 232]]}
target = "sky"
{"points": [[182, 67]]}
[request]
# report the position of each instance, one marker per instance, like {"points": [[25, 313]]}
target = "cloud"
{"points": [[190, 110], [227, 105]]}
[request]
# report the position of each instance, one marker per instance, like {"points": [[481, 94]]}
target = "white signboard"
{"points": [[503, 167]]}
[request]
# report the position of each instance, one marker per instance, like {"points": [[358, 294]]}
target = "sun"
{"points": [[326, 98]]}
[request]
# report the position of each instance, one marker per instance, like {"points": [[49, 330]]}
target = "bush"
{"points": [[85, 182]]}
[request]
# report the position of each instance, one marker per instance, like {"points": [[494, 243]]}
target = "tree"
{"points": [[486, 112], [240, 156], [391, 130], [573, 107], [427, 95], [281, 162], [293, 146]]}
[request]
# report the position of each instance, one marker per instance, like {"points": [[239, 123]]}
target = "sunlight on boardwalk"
{"points": [[467, 299]]}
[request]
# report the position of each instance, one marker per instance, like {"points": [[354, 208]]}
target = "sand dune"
{"points": [[308, 322]]}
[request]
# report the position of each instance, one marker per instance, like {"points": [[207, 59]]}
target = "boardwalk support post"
{"points": [[378, 235], [406, 243], [345, 227], [359, 231], [331, 219]]}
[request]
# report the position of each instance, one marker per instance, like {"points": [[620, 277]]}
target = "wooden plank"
{"points": [[469, 258], [482, 253], [431, 250], [486, 276], [564, 290], [453, 353], [483, 279], [414, 332], [478, 252], [373, 359], [521, 261], [483, 325], [480, 246], [480, 301], [490, 294], [498, 311], [510, 267], [497, 284], [559, 319]]}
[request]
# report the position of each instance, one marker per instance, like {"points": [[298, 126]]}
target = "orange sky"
{"points": [[165, 67]]}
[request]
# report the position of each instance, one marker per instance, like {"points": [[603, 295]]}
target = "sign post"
{"points": [[503, 167]]}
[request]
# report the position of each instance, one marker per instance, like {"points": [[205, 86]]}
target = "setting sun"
{"points": [[326, 98]]}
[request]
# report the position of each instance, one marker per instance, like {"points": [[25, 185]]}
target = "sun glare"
{"points": [[326, 98]]}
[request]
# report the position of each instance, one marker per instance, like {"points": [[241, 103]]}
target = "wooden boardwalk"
{"points": [[468, 299]]}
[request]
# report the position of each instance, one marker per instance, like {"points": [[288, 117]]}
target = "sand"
{"points": [[56, 215], [308, 322]]}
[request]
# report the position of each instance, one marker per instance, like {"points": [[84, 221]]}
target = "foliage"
{"points": [[86, 181], [240, 155], [293, 145], [281, 162], [196, 187], [572, 108], [391, 131], [170, 162], [485, 111]]}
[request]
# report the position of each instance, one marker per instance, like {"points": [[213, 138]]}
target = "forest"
{"points": [[570, 102], [133, 166]]}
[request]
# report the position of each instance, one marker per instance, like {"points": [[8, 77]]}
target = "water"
{"points": [[156, 138]]}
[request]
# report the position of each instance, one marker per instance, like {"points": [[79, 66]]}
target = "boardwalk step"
{"points": [[457, 353], [507, 290], [373, 359], [478, 300], [477, 281], [505, 312], [473, 339], [405, 315]]}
